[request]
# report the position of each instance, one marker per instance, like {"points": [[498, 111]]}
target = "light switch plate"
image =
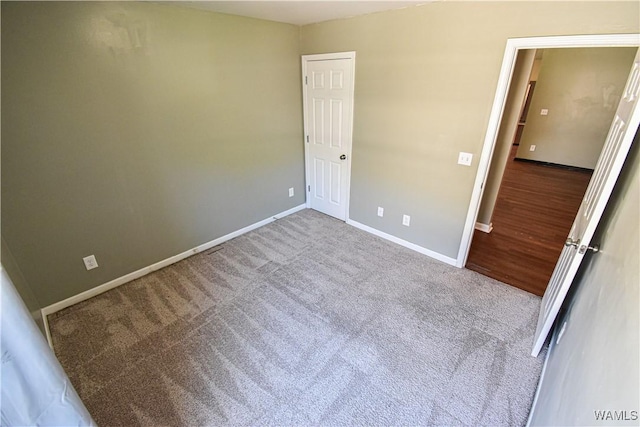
{"points": [[380, 211], [406, 220], [465, 158]]}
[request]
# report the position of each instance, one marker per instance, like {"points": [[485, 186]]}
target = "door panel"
{"points": [[319, 179], [328, 115], [335, 180], [318, 121], [605, 174], [336, 123]]}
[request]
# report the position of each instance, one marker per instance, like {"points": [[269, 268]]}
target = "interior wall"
{"points": [[537, 64], [595, 366], [21, 285], [424, 86], [506, 133], [581, 89], [135, 131]]}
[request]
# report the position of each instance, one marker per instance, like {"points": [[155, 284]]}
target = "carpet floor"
{"points": [[305, 321]]}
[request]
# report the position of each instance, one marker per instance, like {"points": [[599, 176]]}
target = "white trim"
{"points": [[401, 242], [328, 56], [47, 332], [307, 170], [544, 369], [283, 214], [486, 228], [50, 309], [508, 62]]}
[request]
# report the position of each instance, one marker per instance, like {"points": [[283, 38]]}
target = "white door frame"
{"points": [[508, 63], [307, 167]]}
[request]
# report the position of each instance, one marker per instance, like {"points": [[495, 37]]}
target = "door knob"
{"points": [[581, 248], [343, 157]]}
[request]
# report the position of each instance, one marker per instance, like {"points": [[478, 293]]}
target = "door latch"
{"points": [[585, 248]]}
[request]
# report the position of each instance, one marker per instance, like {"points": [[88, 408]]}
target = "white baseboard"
{"points": [[50, 309], [484, 227], [401, 242]]}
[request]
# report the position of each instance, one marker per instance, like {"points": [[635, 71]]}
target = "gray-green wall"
{"points": [[136, 131], [506, 133], [581, 89], [21, 285], [424, 86], [595, 366]]}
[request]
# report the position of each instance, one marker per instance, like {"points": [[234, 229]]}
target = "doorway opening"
{"points": [[549, 142], [619, 138]]}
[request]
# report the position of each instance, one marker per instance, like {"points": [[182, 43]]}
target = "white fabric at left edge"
{"points": [[35, 388]]}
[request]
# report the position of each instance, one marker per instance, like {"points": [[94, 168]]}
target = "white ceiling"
{"points": [[298, 12]]}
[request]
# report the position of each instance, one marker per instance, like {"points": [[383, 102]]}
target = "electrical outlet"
{"points": [[406, 220], [291, 192], [90, 262], [380, 211], [532, 148], [465, 159], [544, 112]]}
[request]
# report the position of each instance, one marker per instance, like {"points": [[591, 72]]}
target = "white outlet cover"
{"points": [[406, 220], [90, 262], [380, 211], [291, 192], [532, 148], [465, 158], [544, 112]]}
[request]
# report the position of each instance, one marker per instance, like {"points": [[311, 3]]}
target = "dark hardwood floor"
{"points": [[533, 215]]}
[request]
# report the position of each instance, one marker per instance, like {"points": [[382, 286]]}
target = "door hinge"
{"points": [[307, 138], [309, 188], [305, 80]]}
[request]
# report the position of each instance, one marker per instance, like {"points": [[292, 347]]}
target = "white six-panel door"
{"points": [[605, 174], [328, 82]]}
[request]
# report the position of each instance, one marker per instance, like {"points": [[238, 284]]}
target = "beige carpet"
{"points": [[306, 321]]}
